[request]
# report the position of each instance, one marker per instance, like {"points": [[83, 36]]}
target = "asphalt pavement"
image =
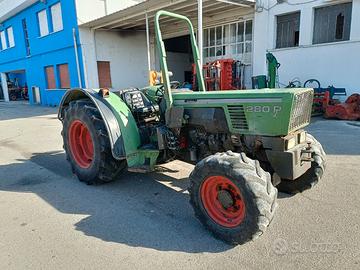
{"points": [[49, 220]]}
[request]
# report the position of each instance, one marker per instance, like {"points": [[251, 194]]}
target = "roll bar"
{"points": [[162, 51]]}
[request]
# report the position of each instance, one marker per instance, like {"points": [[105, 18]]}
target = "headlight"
{"points": [[302, 137], [290, 143]]}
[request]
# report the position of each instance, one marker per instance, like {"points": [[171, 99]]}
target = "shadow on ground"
{"points": [[22, 109], [135, 210], [139, 210]]}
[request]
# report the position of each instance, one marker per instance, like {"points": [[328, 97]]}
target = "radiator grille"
{"points": [[237, 117], [301, 111]]}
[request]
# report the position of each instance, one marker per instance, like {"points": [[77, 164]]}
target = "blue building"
{"points": [[40, 48], [50, 46]]}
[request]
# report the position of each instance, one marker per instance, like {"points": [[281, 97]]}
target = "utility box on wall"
{"points": [[36, 94]]}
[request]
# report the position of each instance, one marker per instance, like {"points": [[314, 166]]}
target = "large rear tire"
{"points": [[312, 176], [87, 144], [232, 196]]}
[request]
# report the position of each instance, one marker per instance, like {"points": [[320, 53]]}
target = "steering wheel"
{"points": [[309, 83], [160, 91]]}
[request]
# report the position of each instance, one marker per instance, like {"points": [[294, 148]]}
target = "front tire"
{"points": [[87, 144], [232, 196], [312, 176]]}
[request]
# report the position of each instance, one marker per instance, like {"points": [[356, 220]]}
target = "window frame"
{"points": [[48, 87], [61, 25], [109, 70], [26, 36], [46, 23], [313, 42], [49, 20], [3, 42], [59, 77], [10, 44], [229, 44], [277, 24]]}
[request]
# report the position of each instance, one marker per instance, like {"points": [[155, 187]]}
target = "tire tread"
{"points": [[263, 193], [109, 167]]}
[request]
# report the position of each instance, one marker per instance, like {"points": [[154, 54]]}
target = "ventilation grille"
{"points": [[237, 117], [301, 111]]}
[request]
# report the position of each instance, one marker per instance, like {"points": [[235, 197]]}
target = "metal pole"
{"points": [[77, 58], [3, 79], [106, 7], [200, 31], [148, 41]]}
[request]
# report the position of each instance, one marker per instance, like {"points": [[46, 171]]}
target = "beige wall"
{"points": [[88, 10]]}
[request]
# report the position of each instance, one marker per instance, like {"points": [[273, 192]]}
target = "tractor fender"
{"points": [[117, 117]]}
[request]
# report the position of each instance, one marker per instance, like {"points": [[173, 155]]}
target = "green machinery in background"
{"points": [[242, 143], [263, 81]]}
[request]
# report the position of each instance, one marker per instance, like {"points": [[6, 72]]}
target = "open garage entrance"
{"points": [[227, 35], [227, 56], [13, 86], [180, 59]]}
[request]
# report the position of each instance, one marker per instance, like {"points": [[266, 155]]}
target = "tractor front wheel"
{"points": [[232, 196], [87, 144]]}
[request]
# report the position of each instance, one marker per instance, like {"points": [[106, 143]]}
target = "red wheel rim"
{"points": [[223, 201], [81, 144]]}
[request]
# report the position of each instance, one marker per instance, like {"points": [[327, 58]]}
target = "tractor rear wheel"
{"points": [[232, 196], [312, 176], [87, 144]]}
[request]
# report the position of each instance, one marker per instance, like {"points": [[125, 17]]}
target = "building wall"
{"points": [[9, 8], [177, 64], [88, 10], [180, 29], [331, 63], [53, 49], [126, 52]]}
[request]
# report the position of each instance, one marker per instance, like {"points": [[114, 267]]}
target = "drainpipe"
{"points": [[148, 43], [77, 58], [4, 86], [105, 7], [200, 31]]}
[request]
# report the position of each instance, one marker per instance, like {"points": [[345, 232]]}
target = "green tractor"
{"points": [[242, 143]]}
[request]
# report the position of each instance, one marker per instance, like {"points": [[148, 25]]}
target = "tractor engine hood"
{"points": [[268, 112]]}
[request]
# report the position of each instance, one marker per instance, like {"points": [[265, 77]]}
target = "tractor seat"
{"points": [[138, 102]]}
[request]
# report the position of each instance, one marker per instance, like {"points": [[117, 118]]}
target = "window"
{"points": [[288, 30], [56, 17], [228, 40], [43, 23], [10, 33], [64, 76], [3, 40], [26, 37], [332, 23], [7, 39], [104, 74], [50, 77]]}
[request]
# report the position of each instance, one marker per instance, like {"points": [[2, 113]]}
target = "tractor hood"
{"points": [[269, 112]]}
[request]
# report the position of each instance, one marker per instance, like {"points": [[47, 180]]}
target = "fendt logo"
{"points": [[264, 109]]}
